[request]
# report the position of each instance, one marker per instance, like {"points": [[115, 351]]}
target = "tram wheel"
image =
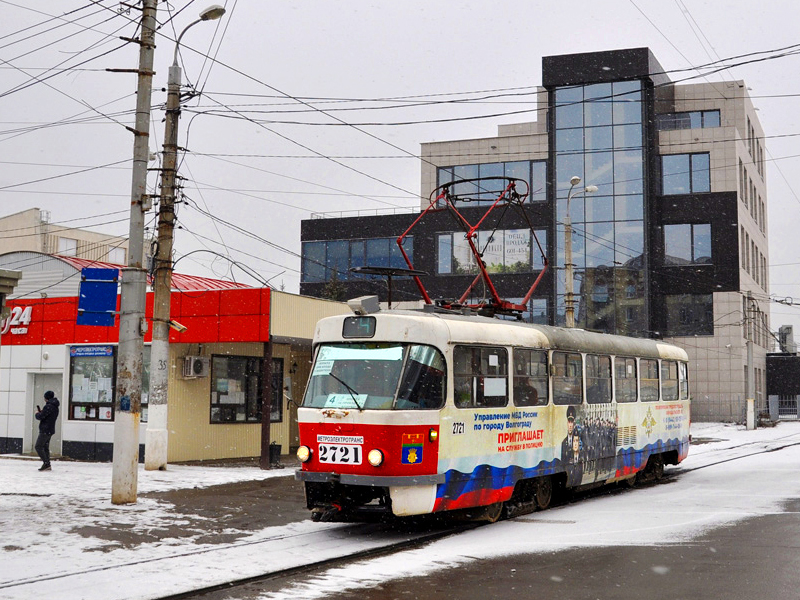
{"points": [[656, 466], [493, 512], [631, 482], [543, 494]]}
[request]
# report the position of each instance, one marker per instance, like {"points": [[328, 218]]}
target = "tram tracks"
{"points": [[718, 456], [291, 549], [195, 572]]}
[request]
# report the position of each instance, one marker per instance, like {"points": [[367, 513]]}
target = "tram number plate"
{"points": [[343, 454]]}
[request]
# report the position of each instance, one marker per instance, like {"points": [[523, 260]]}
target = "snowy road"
{"points": [[736, 475]]}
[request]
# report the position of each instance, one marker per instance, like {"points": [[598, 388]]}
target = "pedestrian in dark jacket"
{"points": [[47, 427]]}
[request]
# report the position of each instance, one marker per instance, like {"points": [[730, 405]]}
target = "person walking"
{"points": [[47, 427]]}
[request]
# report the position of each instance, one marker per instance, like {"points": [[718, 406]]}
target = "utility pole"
{"points": [[157, 436], [155, 451], [751, 384], [132, 324]]}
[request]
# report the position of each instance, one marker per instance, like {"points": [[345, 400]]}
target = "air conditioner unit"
{"points": [[196, 366]]}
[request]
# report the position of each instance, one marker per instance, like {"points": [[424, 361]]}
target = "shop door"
{"points": [[43, 382]]}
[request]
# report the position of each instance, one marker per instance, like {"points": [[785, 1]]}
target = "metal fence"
{"points": [[729, 408]]}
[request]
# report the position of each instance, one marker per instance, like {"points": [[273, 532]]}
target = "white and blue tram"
{"points": [[414, 412]]}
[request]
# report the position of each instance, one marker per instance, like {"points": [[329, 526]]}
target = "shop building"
{"points": [[672, 244], [244, 350]]}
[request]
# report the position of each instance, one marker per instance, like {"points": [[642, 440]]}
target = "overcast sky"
{"points": [[63, 146]]}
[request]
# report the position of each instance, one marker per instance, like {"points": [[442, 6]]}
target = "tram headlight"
{"points": [[375, 457], [304, 453], [433, 435]]}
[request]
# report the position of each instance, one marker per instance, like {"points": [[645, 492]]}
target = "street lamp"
{"points": [[569, 296], [155, 450]]}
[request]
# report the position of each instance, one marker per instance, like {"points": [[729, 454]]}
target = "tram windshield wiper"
{"points": [[349, 389]]}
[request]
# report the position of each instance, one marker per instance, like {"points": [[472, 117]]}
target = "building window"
{"points": [[687, 244], [688, 120], [685, 173], [504, 251], [276, 402], [116, 256], [689, 314], [325, 260], [67, 246], [486, 192], [236, 389], [480, 376], [530, 377]]}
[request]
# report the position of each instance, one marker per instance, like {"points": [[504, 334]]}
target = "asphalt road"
{"points": [[757, 558]]}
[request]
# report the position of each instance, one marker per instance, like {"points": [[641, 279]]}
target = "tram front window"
{"points": [[377, 376]]}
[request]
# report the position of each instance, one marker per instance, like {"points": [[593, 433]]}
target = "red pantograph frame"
{"points": [[509, 196]]}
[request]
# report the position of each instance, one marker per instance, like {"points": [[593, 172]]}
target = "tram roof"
{"points": [[476, 329]]}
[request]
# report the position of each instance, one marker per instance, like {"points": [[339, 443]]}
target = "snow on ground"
{"points": [[712, 491], [39, 513]]}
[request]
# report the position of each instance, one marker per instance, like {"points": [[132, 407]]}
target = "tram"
{"points": [[415, 412]]}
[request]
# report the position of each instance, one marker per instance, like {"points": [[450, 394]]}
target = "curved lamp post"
{"points": [[155, 451], [569, 297]]}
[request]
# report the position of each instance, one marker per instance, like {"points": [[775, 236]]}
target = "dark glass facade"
{"points": [[650, 246], [599, 136]]}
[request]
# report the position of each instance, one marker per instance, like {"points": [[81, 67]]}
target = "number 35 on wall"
{"points": [[17, 321]]}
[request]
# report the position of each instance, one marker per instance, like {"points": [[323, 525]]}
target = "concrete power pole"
{"points": [[157, 436], [751, 383], [132, 324]]}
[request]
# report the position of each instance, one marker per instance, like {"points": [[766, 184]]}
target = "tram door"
{"points": [[599, 426]]}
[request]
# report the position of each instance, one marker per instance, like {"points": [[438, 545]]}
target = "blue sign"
{"points": [[91, 351], [97, 304]]}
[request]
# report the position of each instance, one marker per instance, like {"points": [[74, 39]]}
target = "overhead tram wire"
{"points": [[272, 245], [38, 234], [261, 258], [389, 204], [13, 185], [321, 155], [469, 154], [202, 197], [42, 23], [27, 84], [219, 45]]}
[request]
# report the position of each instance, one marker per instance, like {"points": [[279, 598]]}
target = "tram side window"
{"points": [[567, 378], [480, 376], [649, 379], [683, 380], [598, 379], [669, 380], [422, 385], [625, 385], [530, 377]]}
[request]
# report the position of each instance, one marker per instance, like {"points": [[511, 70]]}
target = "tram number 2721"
{"points": [[340, 454]]}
